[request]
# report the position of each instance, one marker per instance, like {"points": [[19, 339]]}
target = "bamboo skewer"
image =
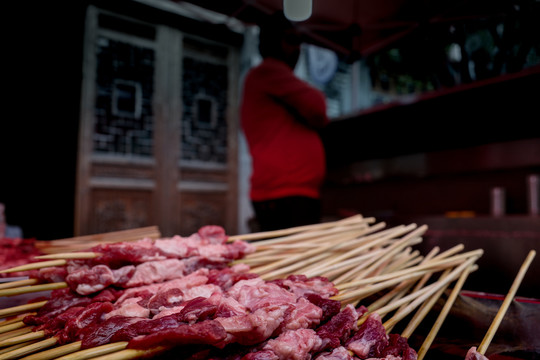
{"points": [[420, 300], [369, 242], [422, 313], [70, 255], [433, 264], [393, 279], [35, 335], [311, 262], [15, 310], [353, 241], [293, 267], [375, 232], [392, 250], [393, 295], [361, 269], [298, 229], [95, 352], [121, 235], [55, 352], [33, 288], [129, 354], [410, 239], [406, 259], [310, 251], [29, 349], [33, 266], [365, 291], [426, 277], [58, 262], [400, 289], [410, 259], [334, 270], [60, 259], [444, 312], [14, 319], [15, 347], [14, 333], [132, 354], [17, 283], [421, 295], [335, 240], [316, 235], [12, 326], [506, 303], [84, 242], [301, 241]]}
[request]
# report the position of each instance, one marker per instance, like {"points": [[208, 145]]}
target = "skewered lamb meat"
{"points": [[211, 311], [148, 261], [472, 354]]}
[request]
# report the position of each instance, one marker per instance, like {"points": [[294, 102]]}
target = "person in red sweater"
{"points": [[281, 116]]}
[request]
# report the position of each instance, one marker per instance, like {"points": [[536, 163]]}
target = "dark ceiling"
{"points": [[358, 28]]}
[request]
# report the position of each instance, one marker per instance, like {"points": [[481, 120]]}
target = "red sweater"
{"points": [[287, 153]]}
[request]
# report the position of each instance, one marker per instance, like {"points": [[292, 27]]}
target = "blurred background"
{"points": [[123, 114]]}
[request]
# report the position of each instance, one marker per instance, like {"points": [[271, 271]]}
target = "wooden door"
{"points": [[158, 129]]}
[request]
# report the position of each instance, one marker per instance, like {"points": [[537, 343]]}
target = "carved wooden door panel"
{"points": [[157, 132], [208, 136]]}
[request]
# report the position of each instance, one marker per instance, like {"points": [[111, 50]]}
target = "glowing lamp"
{"points": [[297, 10]]}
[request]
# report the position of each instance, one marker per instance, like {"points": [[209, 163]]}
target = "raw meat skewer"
{"points": [[405, 259], [479, 353]]}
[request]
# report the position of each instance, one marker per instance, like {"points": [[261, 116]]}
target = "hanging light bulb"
{"points": [[297, 10]]}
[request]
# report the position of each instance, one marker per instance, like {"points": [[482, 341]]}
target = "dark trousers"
{"points": [[287, 212]]}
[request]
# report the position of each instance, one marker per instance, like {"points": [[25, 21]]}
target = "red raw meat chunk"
{"points": [[206, 332], [370, 339]]}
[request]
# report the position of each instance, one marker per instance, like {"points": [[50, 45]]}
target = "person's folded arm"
{"points": [[304, 100]]}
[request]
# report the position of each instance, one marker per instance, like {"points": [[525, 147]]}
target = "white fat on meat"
{"points": [[213, 293], [226, 305], [361, 346], [91, 280], [295, 345], [182, 247], [257, 293], [156, 271], [85, 289], [473, 354], [240, 268], [235, 290], [304, 316], [123, 274], [213, 252], [196, 278], [145, 244], [204, 291], [165, 300], [164, 311], [52, 274], [255, 327], [130, 308], [178, 246], [317, 285], [339, 353]]}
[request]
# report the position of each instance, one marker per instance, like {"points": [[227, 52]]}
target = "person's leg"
{"points": [[286, 212], [300, 210], [267, 215]]}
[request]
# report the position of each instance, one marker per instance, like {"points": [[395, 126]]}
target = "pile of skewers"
{"points": [[17, 251], [369, 272]]}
